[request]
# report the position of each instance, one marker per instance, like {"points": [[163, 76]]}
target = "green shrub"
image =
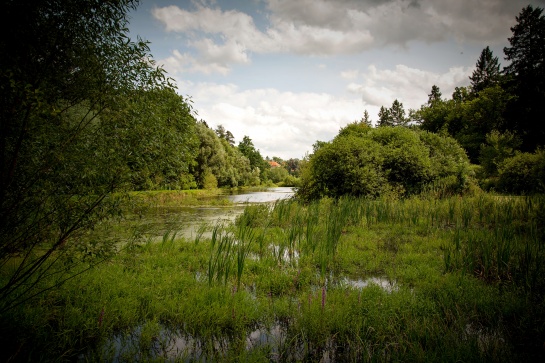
{"points": [[523, 173], [290, 181], [278, 174], [393, 161], [209, 181]]}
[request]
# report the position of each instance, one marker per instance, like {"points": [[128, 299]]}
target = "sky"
{"points": [[287, 73]]}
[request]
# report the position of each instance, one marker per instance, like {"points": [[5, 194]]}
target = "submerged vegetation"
{"points": [[419, 279]]}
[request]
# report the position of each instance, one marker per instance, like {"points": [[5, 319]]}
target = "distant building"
{"points": [[274, 164]]}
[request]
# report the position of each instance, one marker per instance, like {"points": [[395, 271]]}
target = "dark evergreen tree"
{"points": [[487, 72], [526, 77], [434, 96], [397, 113], [366, 119], [393, 116], [384, 117]]}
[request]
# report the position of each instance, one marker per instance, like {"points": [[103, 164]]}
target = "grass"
{"points": [[285, 284]]}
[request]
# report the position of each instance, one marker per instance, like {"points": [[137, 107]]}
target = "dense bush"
{"points": [[523, 173], [278, 174], [394, 161]]}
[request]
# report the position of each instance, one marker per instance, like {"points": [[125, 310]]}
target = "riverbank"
{"points": [[456, 279]]}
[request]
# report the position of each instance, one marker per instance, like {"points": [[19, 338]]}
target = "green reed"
{"points": [[498, 239], [311, 227], [221, 252], [246, 236], [200, 232]]}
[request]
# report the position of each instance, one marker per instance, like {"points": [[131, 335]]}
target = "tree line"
{"points": [[498, 121]]}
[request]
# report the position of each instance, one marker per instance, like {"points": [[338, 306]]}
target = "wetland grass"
{"points": [[463, 281]]}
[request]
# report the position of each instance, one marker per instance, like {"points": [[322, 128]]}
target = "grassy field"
{"points": [[453, 279]]}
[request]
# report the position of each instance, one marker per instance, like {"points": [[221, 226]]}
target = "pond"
{"points": [[161, 222]]}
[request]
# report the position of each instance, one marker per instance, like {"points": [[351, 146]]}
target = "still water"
{"points": [[186, 221], [268, 195]]}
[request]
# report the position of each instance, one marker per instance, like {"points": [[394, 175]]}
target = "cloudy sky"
{"points": [[290, 72]]}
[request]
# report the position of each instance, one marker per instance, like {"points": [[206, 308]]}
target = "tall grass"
{"points": [[221, 249], [228, 252], [468, 273], [499, 240]]}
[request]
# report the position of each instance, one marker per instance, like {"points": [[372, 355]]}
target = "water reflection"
{"points": [[185, 222], [382, 282], [268, 195]]}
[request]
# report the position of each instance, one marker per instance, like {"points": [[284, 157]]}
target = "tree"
{"points": [[486, 73], [384, 117], [278, 175], [526, 77], [293, 166], [318, 144], [432, 116], [394, 116], [68, 70], [171, 142], [225, 134], [497, 148], [523, 173], [434, 96], [398, 114], [247, 148], [354, 128], [216, 157], [220, 131], [526, 52], [230, 138], [366, 119], [478, 117], [460, 94]]}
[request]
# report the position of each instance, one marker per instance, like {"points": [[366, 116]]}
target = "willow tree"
{"points": [[67, 68]]}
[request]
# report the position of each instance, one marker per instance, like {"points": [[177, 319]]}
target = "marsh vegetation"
{"points": [[420, 279]]}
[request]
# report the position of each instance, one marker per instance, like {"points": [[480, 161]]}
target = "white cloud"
{"points": [[286, 124], [179, 63], [230, 52], [350, 74], [400, 21], [283, 124], [327, 27], [380, 87]]}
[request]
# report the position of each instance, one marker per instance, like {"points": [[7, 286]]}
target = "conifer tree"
{"points": [[487, 72]]}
